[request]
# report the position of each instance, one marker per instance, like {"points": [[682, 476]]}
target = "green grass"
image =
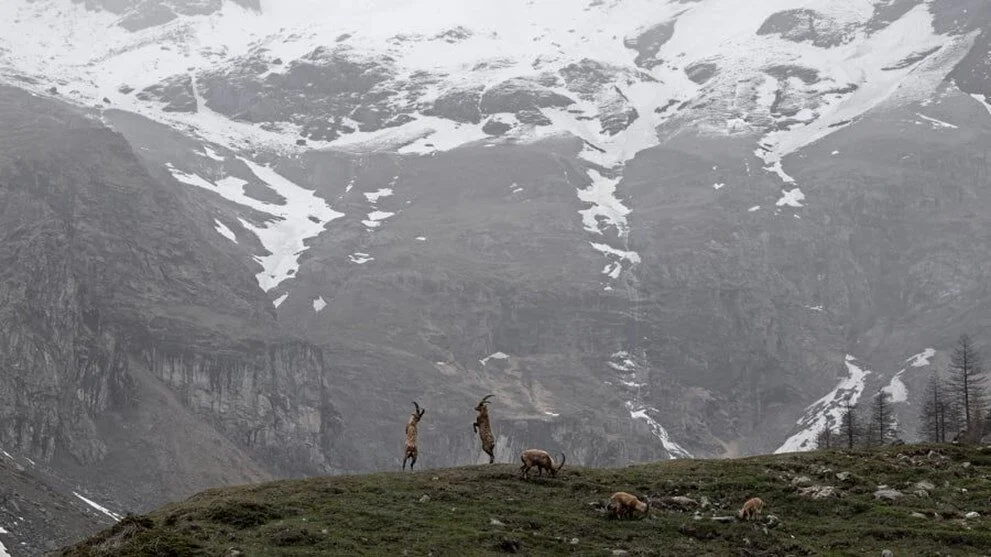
{"points": [[382, 514]]}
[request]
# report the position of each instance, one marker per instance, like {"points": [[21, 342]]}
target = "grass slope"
{"points": [[489, 510]]}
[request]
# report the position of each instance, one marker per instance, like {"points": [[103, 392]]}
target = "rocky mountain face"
{"points": [[239, 240], [137, 15], [42, 512], [139, 355]]}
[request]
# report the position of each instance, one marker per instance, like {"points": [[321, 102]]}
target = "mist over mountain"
{"points": [[238, 238]]}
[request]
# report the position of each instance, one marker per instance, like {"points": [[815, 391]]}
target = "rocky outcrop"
{"points": [[801, 25], [701, 72], [514, 95], [601, 83], [587, 77], [786, 71], [137, 15], [617, 115], [176, 93], [271, 399], [496, 127], [316, 92], [460, 105], [147, 14], [649, 42], [533, 117]]}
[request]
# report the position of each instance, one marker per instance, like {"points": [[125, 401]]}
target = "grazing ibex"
{"points": [[542, 460], [484, 429], [623, 504], [751, 509], [411, 425]]}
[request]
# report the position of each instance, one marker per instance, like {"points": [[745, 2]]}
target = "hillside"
{"points": [[41, 512], [488, 510]]}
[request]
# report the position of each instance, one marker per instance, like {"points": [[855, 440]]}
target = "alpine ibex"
{"points": [[623, 504], [540, 459], [751, 509], [411, 425], [484, 429]]}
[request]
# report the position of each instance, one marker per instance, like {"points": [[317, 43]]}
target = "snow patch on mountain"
{"points": [[828, 410], [597, 71], [922, 358], [937, 124], [621, 361], [425, 135], [982, 101], [116, 517], [896, 388], [375, 218], [631, 380], [302, 216], [360, 258], [373, 197], [492, 42], [857, 77], [621, 76], [319, 304], [224, 231], [212, 154], [791, 198], [606, 210], [642, 413], [494, 356]]}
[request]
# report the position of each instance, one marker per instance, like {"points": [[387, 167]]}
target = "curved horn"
{"points": [[562, 463], [485, 399], [417, 406]]}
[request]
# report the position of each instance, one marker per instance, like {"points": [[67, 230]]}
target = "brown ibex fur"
{"points": [[623, 504], [751, 509], [411, 425], [483, 428], [540, 459]]}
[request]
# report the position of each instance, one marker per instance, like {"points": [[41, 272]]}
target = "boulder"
{"points": [[888, 494], [514, 95]]}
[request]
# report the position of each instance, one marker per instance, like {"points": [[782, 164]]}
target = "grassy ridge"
{"points": [[489, 510]]}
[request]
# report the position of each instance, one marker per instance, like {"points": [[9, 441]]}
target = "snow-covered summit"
{"points": [[427, 75], [417, 74]]}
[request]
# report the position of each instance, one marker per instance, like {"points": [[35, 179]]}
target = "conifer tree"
{"points": [[882, 421], [850, 429], [966, 383], [935, 413]]}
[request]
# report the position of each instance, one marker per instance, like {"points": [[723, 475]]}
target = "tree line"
{"points": [[954, 408]]}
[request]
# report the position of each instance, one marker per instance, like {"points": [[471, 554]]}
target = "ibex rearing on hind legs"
{"points": [[484, 429], [411, 425]]}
